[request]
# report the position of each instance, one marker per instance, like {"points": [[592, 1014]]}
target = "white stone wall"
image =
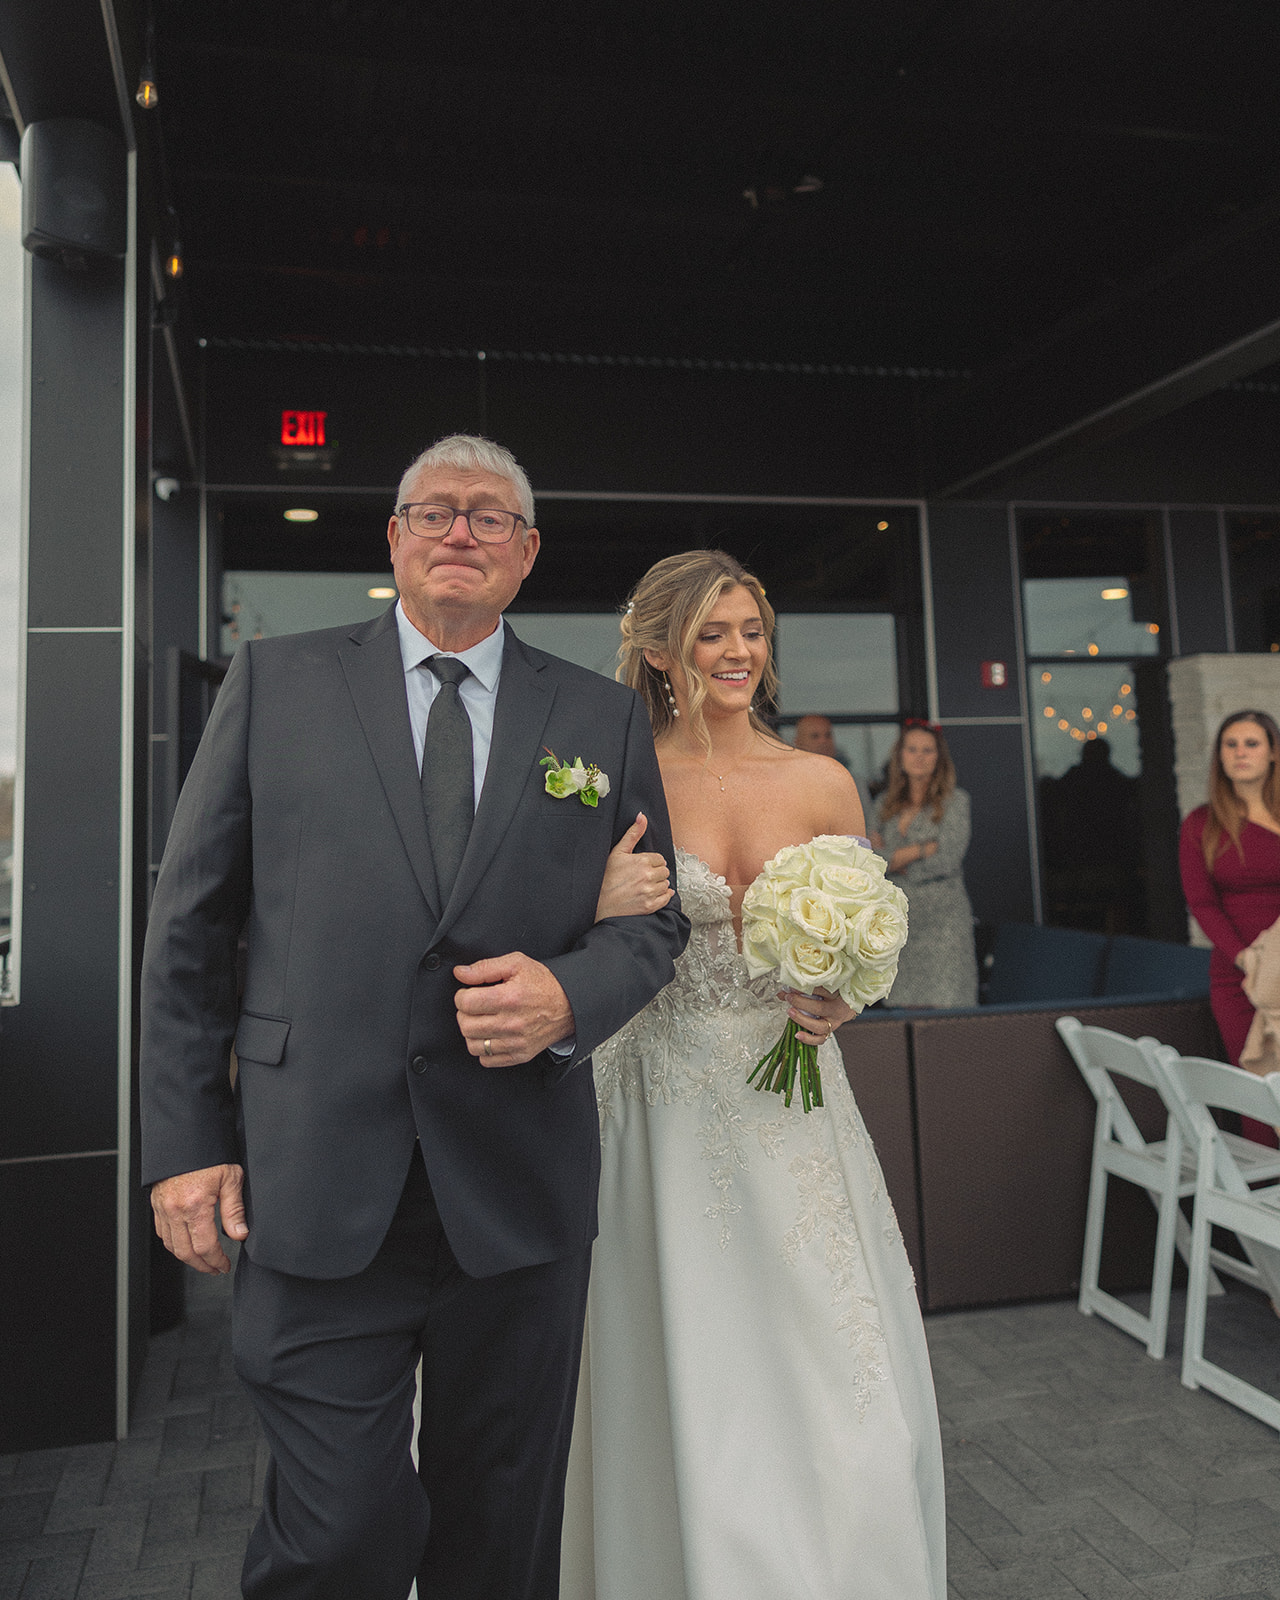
{"points": [[1202, 691]]}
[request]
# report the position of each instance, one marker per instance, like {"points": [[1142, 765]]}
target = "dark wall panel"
{"points": [[973, 604], [1197, 572], [58, 1080], [58, 1310], [77, 358], [997, 870]]}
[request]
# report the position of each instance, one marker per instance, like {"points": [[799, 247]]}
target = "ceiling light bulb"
{"points": [[1115, 594], [148, 96], [173, 263], [382, 594], [301, 514]]}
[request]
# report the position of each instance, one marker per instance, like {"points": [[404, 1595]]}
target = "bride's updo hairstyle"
{"points": [[666, 612]]}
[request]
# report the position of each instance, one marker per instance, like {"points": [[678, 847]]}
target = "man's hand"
{"points": [[184, 1212], [511, 1008]]}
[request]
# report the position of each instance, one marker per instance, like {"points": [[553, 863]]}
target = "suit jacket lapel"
{"points": [[374, 669], [519, 717]]}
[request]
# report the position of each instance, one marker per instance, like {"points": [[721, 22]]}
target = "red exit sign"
{"points": [[302, 427]]}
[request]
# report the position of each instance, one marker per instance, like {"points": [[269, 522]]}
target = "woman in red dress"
{"points": [[1230, 857]]}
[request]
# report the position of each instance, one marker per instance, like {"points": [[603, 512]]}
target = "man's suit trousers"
{"points": [[330, 1366]]}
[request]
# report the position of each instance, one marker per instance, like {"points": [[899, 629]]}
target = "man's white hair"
{"points": [[468, 452]]}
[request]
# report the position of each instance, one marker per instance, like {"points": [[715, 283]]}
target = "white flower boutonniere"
{"points": [[587, 782]]}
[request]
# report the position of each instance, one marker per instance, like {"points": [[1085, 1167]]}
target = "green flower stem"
{"points": [[787, 1061]]}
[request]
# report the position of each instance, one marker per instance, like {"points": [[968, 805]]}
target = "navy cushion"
{"points": [[1033, 963], [1150, 966]]}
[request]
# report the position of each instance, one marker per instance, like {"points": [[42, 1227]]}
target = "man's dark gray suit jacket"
{"points": [[302, 815]]}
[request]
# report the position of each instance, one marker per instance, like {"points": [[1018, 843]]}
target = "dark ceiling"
{"points": [[640, 180]]}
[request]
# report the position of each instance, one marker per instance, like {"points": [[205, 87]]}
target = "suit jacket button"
{"points": [[419, 1064], [432, 963]]}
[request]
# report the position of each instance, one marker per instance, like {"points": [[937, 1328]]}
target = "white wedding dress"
{"points": [[756, 1418]]}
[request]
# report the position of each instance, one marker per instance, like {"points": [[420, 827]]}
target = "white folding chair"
{"points": [[1230, 1192], [1165, 1168]]}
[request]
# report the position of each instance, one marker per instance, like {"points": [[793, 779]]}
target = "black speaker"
{"points": [[74, 191]]}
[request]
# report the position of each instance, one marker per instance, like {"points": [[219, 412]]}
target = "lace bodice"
{"points": [[711, 971]]}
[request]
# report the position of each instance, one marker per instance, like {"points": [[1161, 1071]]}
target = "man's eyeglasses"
{"points": [[488, 525]]}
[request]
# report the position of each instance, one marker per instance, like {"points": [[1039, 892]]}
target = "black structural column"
{"points": [[71, 1323], [970, 569]]}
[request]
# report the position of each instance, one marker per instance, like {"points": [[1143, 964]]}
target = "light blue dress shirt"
{"points": [[478, 693]]}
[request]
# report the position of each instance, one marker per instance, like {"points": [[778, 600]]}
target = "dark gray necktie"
{"points": [[448, 784]]}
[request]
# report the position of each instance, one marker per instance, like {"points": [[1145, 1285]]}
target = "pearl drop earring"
{"points": [[670, 694]]}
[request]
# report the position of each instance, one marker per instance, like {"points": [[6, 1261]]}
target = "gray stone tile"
{"points": [[1213, 1583], [226, 1488], [23, 1515], [156, 1583], [217, 1580], [117, 1541], [51, 1578]]}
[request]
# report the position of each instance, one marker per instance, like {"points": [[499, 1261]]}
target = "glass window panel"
{"points": [[1084, 617], [262, 605], [11, 368], [589, 638], [837, 662], [1085, 699]]}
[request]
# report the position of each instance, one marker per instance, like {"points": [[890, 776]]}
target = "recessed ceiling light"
{"points": [[301, 514], [1115, 594], [382, 594], [882, 526]]}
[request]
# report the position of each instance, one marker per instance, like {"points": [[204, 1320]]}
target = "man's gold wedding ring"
{"points": [[488, 1047]]}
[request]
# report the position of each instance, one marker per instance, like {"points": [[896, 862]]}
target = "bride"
{"points": [[755, 1415]]}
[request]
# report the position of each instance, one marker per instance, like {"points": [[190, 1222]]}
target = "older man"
{"points": [[410, 1154], [816, 734]]}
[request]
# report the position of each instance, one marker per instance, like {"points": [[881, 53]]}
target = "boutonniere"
{"points": [[587, 782]]}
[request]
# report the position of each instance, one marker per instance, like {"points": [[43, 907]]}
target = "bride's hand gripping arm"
{"points": [[635, 884]]}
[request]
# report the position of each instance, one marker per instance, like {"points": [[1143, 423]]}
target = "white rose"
{"points": [[761, 947], [878, 933], [817, 914], [766, 898], [576, 776], [601, 785], [829, 850], [807, 965], [864, 985], [791, 866], [850, 887]]}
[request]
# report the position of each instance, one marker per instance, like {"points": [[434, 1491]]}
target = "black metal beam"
{"points": [[1202, 319]]}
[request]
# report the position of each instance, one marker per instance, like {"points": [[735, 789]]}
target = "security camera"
{"points": [[166, 488]]}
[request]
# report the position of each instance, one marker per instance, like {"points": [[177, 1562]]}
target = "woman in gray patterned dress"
{"points": [[921, 826]]}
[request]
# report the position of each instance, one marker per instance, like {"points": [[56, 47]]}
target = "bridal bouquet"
{"points": [[823, 916]]}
